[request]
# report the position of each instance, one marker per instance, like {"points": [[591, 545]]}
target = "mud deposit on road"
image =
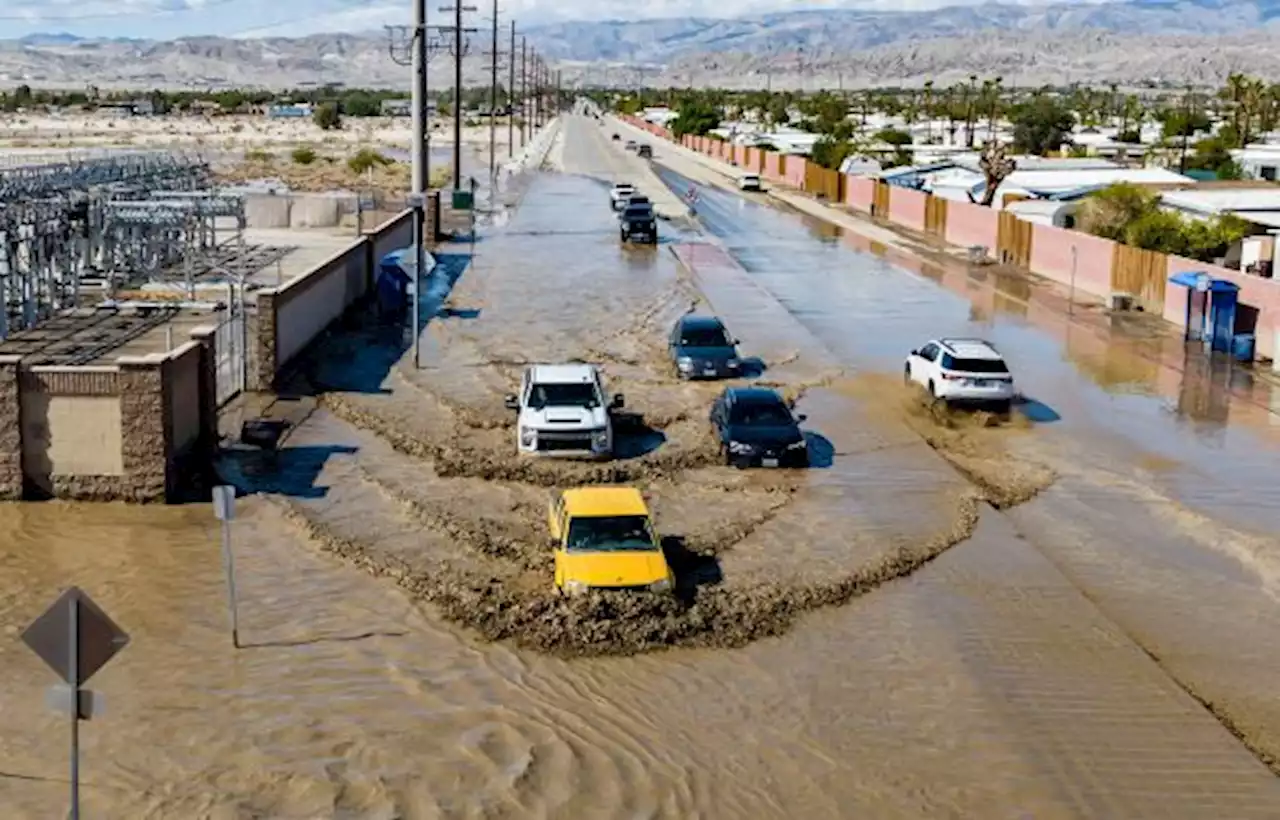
{"points": [[974, 442], [439, 457]]}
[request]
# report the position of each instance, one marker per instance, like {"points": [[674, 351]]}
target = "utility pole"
{"points": [[511, 94], [493, 100], [421, 154], [537, 91], [457, 95], [524, 91], [1186, 129]]}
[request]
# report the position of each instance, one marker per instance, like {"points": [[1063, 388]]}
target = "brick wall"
{"points": [[969, 224]]}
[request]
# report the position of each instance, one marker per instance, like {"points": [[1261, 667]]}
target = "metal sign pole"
{"points": [[419, 235], [224, 500], [73, 677]]}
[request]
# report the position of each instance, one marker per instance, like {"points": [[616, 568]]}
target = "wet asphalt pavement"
{"points": [[1038, 667]]}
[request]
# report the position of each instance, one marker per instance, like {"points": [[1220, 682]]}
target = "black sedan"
{"points": [[701, 348], [756, 428]]}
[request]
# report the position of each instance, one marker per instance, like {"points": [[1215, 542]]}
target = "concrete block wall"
{"points": [[130, 431], [906, 208], [969, 225], [291, 317], [1052, 258]]}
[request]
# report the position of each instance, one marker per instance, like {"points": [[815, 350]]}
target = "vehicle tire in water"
{"points": [[906, 375]]}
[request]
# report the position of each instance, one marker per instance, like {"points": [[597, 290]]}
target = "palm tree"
{"points": [[928, 110]]}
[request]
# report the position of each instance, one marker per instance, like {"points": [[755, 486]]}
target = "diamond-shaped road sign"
{"points": [[98, 638]]}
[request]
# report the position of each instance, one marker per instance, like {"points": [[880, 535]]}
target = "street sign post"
{"points": [[76, 639], [224, 509]]}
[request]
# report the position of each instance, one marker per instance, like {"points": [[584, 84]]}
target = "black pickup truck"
{"points": [[637, 223]]}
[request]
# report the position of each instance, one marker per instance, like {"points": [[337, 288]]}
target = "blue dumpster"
{"points": [[1242, 346]]}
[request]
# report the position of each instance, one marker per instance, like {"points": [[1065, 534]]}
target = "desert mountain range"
{"points": [[1134, 41]]}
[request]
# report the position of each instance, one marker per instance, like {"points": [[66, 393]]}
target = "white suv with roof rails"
{"points": [[961, 371], [564, 411], [620, 194]]}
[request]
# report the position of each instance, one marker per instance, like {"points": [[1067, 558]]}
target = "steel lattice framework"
{"points": [[66, 219]]}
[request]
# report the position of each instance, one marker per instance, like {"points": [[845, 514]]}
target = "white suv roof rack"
{"points": [[971, 348]]}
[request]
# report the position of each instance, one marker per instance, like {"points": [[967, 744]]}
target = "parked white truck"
{"points": [[564, 411]]}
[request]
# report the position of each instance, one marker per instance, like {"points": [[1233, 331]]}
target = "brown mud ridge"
{"points": [[485, 563], [603, 623]]}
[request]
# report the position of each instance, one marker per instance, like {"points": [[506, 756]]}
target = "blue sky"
{"points": [[164, 19]]}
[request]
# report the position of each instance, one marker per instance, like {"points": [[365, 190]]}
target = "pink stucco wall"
{"points": [[1051, 258], [795, 171], [969, 224], [906, 207], [1263, 294], [859, 192], [771, 169]]}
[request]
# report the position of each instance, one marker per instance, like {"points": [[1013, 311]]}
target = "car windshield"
{"points": [[704, 337], [609, 533], [760, 414], [580, 394], [974, 365]]}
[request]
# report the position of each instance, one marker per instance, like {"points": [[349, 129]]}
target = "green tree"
{"points": [[1183, 122], [830, 153], [1042, 124], [327, 116], [695, 117]]}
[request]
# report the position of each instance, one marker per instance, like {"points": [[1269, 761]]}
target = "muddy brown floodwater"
{"points": [[407, 659]]}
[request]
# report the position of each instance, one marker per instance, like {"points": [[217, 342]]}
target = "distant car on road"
{"points": [[563, 411], [621, 194], [630, 146], [749, 182], [637, 222], [756, 428], [615, 138], [645, 151], [701, 348], [962, 371], [603, 538]]}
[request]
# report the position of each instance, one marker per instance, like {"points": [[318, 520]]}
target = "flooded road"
{"points": [[1162, 511], [397, 537]]}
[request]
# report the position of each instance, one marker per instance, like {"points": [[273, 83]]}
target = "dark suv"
{"points": [[638, 223], [701, 348], [756, 428], [645, 151]]}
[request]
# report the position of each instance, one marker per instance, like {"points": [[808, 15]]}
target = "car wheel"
{"points": [[725, 455], [906, 375]]}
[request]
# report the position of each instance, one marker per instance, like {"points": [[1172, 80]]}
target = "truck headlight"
{"points": [[600, 440], [733, 364], [797, 445], [661, 586], [528, 436], [684, 363], [575, 587], [739, 447]]}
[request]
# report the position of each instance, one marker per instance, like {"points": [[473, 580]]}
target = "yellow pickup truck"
{"points": [[603, 539]]}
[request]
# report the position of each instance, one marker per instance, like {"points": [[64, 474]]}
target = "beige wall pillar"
{"points": [[144, 418], [11, 474], [265, 341]]}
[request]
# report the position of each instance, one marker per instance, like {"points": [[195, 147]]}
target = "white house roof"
{"points": [[1071, 180], [1039, 207], [1225, 200]]}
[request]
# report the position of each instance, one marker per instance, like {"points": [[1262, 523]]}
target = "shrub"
{"points": [[365, 159], [304, 155]]}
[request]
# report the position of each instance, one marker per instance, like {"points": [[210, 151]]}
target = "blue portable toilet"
{"points": [[1211, 309], [392, 284]]}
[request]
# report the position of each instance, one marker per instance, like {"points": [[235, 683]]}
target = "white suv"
{"points": [[749, 182], [564, 412], [961, 371], [621, 194]]}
